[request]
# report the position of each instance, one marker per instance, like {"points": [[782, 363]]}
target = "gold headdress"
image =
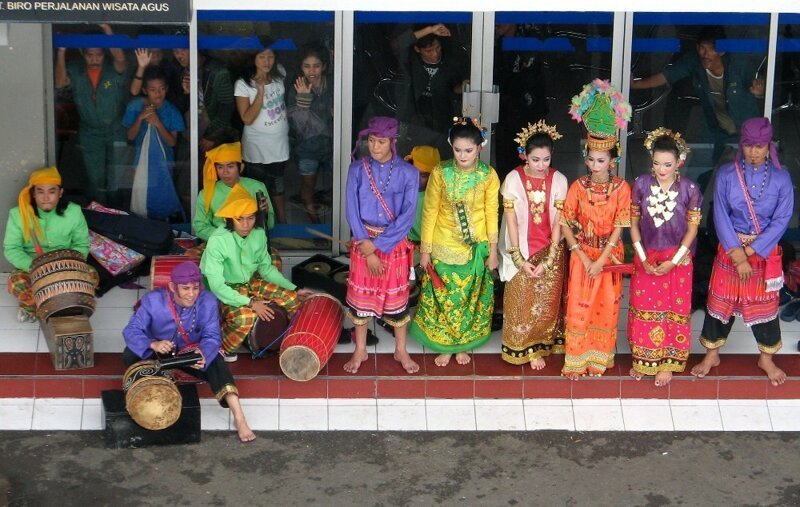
{"points": [[466, 120], [680, 142], [540, 127]]}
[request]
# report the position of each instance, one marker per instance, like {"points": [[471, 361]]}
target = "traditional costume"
{"points": [[459, 221], [238, 270], [214, 194], [381, 205], [660, 310], [592, 211], [160, 317], [533, 308], [752, 207], [30, 233]]}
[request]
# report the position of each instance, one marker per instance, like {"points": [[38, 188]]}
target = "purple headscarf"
{"points": [[758, 131], [379, 126], [185, 273]]}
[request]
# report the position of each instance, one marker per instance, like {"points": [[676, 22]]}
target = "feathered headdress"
{"points": [[603, 110]]}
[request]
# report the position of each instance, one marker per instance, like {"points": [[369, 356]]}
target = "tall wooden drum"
{"points": [[151, 397], [62, 284], [311, 337]]}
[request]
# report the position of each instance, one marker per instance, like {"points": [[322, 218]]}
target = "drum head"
{"points": [[154, 403], [265, 333], [318, 267], [341, 277], [299, 363]]}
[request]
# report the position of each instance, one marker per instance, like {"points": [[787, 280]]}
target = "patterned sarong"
{"points": [[728, 296], [592, 315], [533, 312], [19, 286], [456, 305], [375, 296], [237, 322], [659, 316]]}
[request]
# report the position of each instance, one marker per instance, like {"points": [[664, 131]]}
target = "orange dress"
{"points": [[593, 211]]}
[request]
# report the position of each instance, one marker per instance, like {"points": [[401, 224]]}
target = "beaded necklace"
{"points": [[763, 183], [536, 196], [391, 172], [600, 188]]}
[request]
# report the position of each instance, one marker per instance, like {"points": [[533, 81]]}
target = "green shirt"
{"points": [[230, 259], [415, 234], [205, 223], [59, 232]]}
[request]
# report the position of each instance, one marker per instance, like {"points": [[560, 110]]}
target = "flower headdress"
{"points": [[540, 127], [603, 110], [680, 142], [466, 120]]}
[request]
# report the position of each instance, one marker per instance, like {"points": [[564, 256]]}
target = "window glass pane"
{"points": [[287, 142], [786, 99], [541, 60], [107, 106]]}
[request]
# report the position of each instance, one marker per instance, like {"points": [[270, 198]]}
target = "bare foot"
{"points": [[355, 361], [244, 431], [635, 374], [775, 374], [573, 376], [463, 358], [711, 360], [443, 359], [405, 361], [537, 363], [663, 378]]}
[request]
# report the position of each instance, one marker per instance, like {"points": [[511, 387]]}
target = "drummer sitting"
{"points": [[41, 223], [240, 273], [182, 319], [221, 171]]}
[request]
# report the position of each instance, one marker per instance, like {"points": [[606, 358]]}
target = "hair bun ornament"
{"points": [[475, 122], [603, 110], [680, 142], [540, 127]]}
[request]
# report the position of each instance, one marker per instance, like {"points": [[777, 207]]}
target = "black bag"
{"points": [[109, 281], [148, 237]]}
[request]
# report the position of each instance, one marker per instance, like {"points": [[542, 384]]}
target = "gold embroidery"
{"points": [[659, 316], [770, 349], [508, 203], [559, 204], [657, 335], [636, 211], [425, 247], [224, 391], [705, 342], [694, 216]]}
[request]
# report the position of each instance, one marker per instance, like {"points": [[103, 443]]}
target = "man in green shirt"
{"points": [[40, 223], [239, 271]]}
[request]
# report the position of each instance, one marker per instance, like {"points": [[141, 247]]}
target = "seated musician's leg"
{"points": [[19, 286], [236, 325], [221, 381]]}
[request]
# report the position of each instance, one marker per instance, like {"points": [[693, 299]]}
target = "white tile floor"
{"points": [[440, 415]]}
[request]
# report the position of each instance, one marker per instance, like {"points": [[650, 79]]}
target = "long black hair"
{"points": [[249, 64]]}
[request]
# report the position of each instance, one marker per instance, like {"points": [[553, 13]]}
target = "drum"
{"points": [[161, 267], [311, 337], [151, 397], [266, 333], [62, 284]]}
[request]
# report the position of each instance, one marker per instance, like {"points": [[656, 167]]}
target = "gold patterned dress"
{"points": [[459, 221], [533, 308]]}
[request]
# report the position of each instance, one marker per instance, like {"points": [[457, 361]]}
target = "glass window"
{"points": [[411, 66], [541, 60], [701, 75], [285, 61], [119, 106], [786, 99]]}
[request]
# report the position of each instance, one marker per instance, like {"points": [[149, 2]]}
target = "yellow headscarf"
{"points": [[238, 204], [224, 153], [44, 176], [424, 158]]}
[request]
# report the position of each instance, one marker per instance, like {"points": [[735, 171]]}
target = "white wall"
{"points": [[22, 114]]}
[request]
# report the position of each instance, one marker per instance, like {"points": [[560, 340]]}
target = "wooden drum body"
{"points": [[151, 397], [62, 284], [311, 337], [266, 334], [161, 267]]}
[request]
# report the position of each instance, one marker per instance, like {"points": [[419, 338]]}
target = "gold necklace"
{"points": [[536, 198]]}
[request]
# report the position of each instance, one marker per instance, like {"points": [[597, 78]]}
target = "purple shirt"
{"points": [[153, 321], [400, 194], [773, 206], [671, 232]]}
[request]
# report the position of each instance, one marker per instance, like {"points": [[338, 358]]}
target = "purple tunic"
{"points": [[671, 232], [153, 321], [773, 206], [363, 207]]}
